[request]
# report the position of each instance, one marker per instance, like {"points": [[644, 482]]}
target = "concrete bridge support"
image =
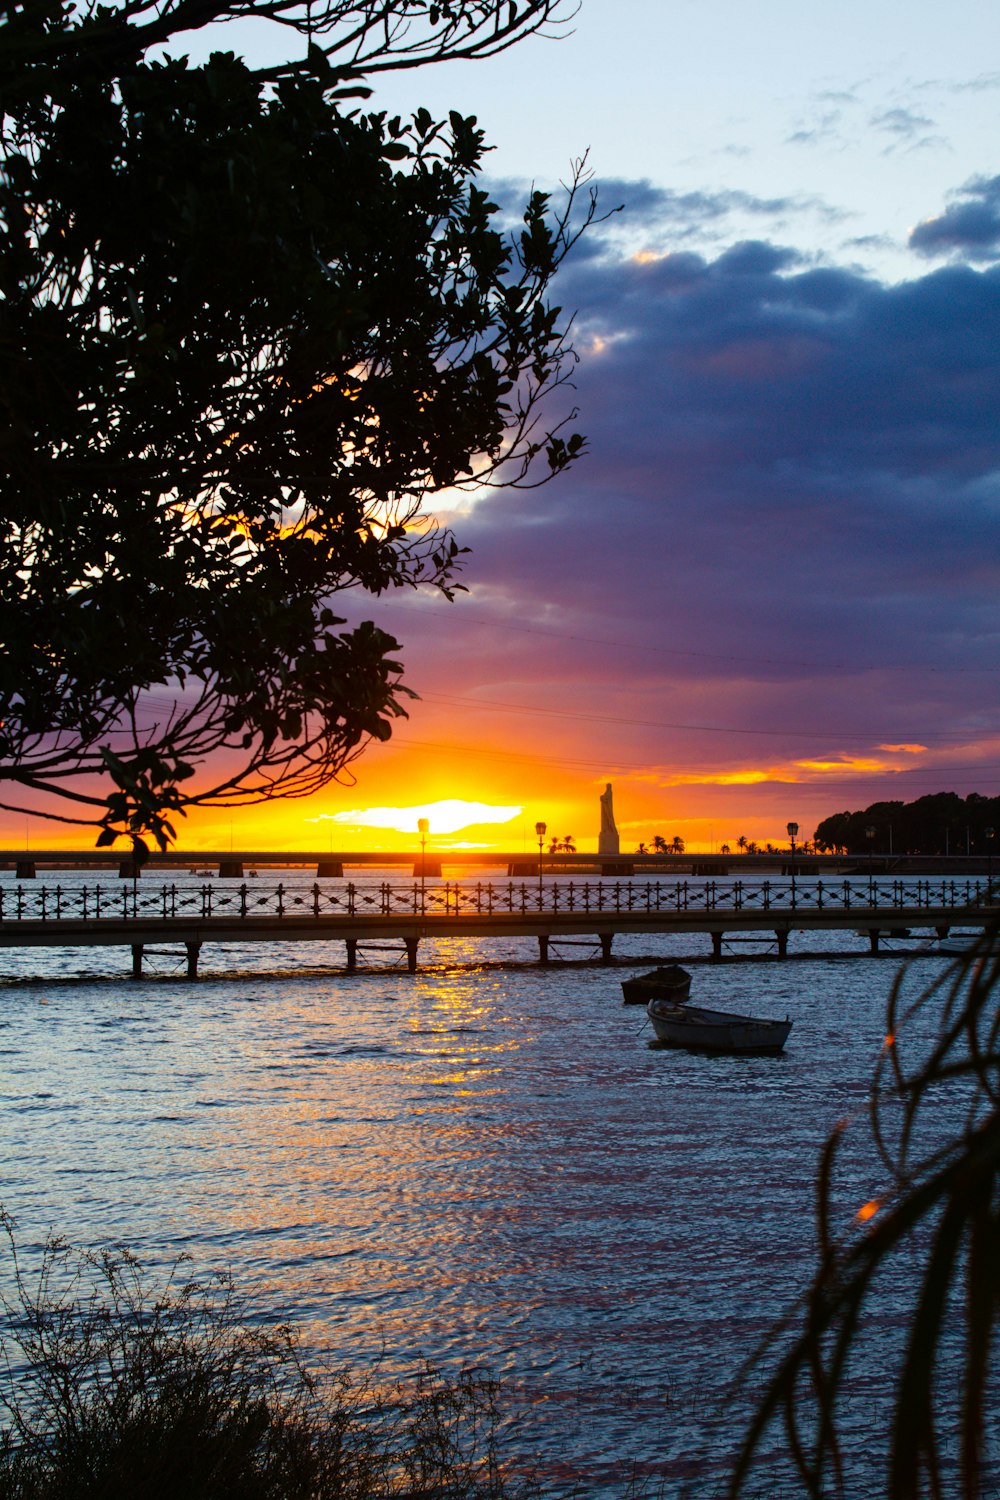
{"points": [[25, 869]]}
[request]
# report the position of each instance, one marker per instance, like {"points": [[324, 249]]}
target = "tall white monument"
{"points": [[608, 841]]}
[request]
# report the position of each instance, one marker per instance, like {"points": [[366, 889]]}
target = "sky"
{"points": [[769, 591]]}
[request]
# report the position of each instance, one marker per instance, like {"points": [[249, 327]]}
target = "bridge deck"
{"points": [[357, 915]]}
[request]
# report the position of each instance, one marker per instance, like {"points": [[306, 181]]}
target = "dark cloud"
{"points": [[653, 214], [786, 463], [970, 226], [662, 206]]}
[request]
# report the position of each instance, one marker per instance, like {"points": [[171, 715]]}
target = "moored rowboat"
{"points": [[699, 1030], [668, 983]]}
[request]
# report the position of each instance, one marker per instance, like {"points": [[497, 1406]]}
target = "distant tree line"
{"points": [[943, 823]]}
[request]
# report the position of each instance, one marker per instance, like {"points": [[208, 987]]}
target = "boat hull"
{"points": [[668, 983], [696, 1030]]}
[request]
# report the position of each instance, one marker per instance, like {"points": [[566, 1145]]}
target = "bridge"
{"points": [[334, 864], [398, 915]]}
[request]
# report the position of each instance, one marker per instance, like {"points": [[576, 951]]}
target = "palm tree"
{"points": [[724, 849], [569, 844], [641, 849], [677, 844], [741, 843], [659, 844]]}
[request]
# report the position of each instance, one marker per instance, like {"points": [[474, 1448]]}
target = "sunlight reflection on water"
{"points": [[486, 1166]]}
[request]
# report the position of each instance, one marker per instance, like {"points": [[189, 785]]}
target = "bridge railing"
{"points": [[601, 899]]}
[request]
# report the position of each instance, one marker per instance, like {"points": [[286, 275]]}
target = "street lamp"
{"points": [[870, 836], [423, 828], [793, 829], [540, 835], [989, 862]]}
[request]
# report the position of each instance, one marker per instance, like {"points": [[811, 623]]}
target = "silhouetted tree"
{"points": [[939, 823], [246, 331], [677, 844], [659, 844]]}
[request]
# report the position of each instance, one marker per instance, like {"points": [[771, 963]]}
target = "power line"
{"points": [[556, 713], [642, 645]]}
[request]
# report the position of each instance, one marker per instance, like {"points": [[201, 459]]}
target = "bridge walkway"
{"points": [[401, 915]]}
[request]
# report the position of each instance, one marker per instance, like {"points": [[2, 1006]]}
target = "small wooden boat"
{"points": [[669, 983], [699, 1030]]}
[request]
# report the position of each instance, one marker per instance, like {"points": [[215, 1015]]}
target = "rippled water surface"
{"points": [[483, 1162]]}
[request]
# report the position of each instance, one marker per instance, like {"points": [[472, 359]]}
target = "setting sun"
{"points": [[448, 816]]}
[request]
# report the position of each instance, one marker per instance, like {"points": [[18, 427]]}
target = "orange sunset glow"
{"points": [[484, 773]]}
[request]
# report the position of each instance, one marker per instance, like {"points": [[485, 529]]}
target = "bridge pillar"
{"points": [[543, 950], [607, 938], [193, 949], [873, 938], [411, 954], [782, 938], [329, 869], [428, 868], [25, 869], [128, 870], [352, 955], [942, 932], [231, 869], [716, 946], [136, 960]]}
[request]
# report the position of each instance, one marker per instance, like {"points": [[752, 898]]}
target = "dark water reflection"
{"points": [[488, 1167]]}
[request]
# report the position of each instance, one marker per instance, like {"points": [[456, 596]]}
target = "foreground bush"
{"points": [[112, 1388]]}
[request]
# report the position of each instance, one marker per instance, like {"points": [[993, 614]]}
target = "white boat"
{"points": [[699, 1030], [668, 983], [961, 944]]}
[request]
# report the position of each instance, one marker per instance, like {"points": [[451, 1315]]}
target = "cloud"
{"points": [[651, 215], [787, 464], [905, 124], [969, 226], [779, 560]]}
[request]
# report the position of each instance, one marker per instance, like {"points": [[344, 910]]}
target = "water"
{"points": [[481, 1163]]}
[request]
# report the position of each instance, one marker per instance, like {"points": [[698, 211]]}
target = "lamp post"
{"points": [[540, 835], [989, 863], [870, 836], [423, 828], [793, 829]]}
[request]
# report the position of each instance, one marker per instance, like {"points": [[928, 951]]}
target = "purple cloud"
{"points": [[969, 227], [785, 531]]}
